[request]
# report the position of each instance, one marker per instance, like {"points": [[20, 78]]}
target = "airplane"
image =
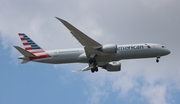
{"points": [[93, 53]]}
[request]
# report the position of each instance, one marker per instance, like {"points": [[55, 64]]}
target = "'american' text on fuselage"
{"points": [[131, 47]]}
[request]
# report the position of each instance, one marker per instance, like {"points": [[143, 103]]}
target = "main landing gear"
{"points": [[94, 63], [157, 60], [94, 69]]}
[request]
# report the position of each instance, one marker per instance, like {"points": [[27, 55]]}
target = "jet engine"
{"points": [[109, 48], [113, 66]]}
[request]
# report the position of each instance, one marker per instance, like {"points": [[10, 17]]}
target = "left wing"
{"points": [[85, 69], [89, 67]]}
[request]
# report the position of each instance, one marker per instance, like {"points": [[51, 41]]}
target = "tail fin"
{"points": [[31, 46], [32, 51]]}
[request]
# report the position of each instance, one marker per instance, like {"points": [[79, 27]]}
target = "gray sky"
{"points": [[112, 21]]}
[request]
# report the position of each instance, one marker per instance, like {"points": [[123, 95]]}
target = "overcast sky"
{"points": [[141, 81]]}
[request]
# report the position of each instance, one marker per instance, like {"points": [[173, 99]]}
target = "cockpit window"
{"points": [[163, 47]]}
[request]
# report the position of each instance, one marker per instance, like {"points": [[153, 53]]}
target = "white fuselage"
{"points": [[131, 51]]}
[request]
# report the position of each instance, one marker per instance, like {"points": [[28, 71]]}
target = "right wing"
{"points": [[90, 46], [80, 36]]}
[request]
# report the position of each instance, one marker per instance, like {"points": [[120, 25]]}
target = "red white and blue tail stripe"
{"points": [[31, 46]]}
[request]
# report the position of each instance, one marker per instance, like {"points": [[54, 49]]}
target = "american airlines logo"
{"points": [[148, 46]]}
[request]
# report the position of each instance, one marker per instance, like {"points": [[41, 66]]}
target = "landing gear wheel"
{"points": [[92, 70], [96, 69], [157, 60]]}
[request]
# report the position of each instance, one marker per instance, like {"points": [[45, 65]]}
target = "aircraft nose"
{"points": [[168, 51]]}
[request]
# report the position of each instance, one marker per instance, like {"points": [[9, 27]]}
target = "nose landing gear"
{"points": [[157, 60]]}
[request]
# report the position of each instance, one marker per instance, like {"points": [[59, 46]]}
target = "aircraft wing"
{"points": [[85, 69], [80, 36], [89, 44]]}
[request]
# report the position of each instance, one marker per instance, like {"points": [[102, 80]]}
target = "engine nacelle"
{"points": [[109, 48], [113, 66]]}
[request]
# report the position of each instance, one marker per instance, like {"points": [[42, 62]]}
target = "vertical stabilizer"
{"points": [[30, 45]]}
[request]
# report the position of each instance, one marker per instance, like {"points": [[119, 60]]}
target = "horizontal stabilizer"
{"points": [[24, 61], [24, 52]]}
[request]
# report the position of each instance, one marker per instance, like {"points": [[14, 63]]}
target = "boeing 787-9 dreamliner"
{"points": [[93, 53]]}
